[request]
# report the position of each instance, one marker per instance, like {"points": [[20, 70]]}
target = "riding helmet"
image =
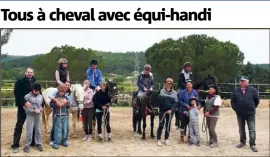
{"points": [[94, 62], [187, 64], [36, 86], [62, 61], [193, 98]]}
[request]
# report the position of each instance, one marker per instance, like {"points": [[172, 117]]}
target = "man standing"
{"points": [[244, 102], [94, 75], [21, 88]]}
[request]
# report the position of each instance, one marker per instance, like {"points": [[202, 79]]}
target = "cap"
{"points": [[243, 78], [169, 80], [193, 98], [188, 80]]}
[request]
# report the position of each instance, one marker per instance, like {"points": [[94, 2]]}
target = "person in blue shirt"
{"points": [[183, 99], [94, 75]]}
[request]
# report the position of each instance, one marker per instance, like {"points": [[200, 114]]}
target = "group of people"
{"points": [[30, 103], [187, 107]]}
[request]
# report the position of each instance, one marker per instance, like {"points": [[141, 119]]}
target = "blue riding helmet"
{"points": [[94, 62]]}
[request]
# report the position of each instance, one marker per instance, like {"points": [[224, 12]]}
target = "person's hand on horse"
{"points": [[206, 114], [169, 111], [185, 112], [104, 107], [28, 105], [188, 107], [97, 88]]}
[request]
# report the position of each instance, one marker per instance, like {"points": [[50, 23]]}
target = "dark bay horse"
{"points": [[148, 106]]}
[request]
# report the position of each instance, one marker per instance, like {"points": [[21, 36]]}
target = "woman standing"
{"points": [[211, 113], [62, 73], [166, 109]]}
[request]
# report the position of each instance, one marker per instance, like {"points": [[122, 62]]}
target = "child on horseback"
{"points": [[94, 76], [193, 115], [62, 73], [88, 110], [167, 106], [33, 117], [145, 82], [60, 118], [102, 103]]}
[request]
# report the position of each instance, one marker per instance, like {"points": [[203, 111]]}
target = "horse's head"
{"points": [[203, 85], [111, 88], [78, 91]]}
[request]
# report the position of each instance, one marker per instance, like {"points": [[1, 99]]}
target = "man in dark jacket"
{"points": [[185, 75], [21, 88], [244, 102]]}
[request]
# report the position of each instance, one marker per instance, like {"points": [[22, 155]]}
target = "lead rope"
{"points": [[168, 128], [204, 129]]}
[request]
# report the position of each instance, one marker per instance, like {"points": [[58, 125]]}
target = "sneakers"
{"points": [[55, 146], [15, 150], [65, 144], [167, 143], [51, 143], [89, 138], [39, 147], [85, 137], [26, 149], [214, 144], [190, 144], [199, 143], [253, 148], [159, 143], [240, 145]]}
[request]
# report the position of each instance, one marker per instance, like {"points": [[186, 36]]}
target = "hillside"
{"points": [[5, 58]]}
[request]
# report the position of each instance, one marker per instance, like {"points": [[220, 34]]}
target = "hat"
{"points": [[188, 80], [36, 86], [243, 78], [169, 80], [94, 62], [61, 88], [193, 98]]}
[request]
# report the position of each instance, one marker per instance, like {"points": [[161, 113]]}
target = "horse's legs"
{"points": [[74, 119], [134, 122], [152, 118], [47, 112], [139, 122], [144, 126]]}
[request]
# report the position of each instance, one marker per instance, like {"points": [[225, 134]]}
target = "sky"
{"points": [[254, 43]]}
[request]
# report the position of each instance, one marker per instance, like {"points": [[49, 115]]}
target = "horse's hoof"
{"points": [[139, 132], [143, 138]]}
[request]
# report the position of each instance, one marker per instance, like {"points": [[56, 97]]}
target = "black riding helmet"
{"points": [[36, 86], [94, 62], [187, 64]]}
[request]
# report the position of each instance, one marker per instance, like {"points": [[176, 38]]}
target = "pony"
{"points": [[76, 105], [148, 106]]}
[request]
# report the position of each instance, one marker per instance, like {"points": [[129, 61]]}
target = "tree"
{"points": [[78, 62], [207, 54]]}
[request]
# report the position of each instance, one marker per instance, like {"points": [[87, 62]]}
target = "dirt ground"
{"points": [[127, 143]]}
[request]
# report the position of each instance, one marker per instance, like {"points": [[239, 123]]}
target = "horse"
{"points": [[202, 87], [76, 105], [148, 106]]}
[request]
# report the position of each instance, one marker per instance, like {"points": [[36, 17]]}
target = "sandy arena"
{"points": [[127, 143]]}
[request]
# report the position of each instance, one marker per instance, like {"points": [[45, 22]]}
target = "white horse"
{"points": [[76, 105]]}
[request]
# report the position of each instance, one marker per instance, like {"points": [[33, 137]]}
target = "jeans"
{"points": [[53, 127], [251, 127], [161, 125], [60, 129]]}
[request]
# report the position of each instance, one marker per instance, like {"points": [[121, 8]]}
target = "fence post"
{"points": [[258, 89], [46, 84]]}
